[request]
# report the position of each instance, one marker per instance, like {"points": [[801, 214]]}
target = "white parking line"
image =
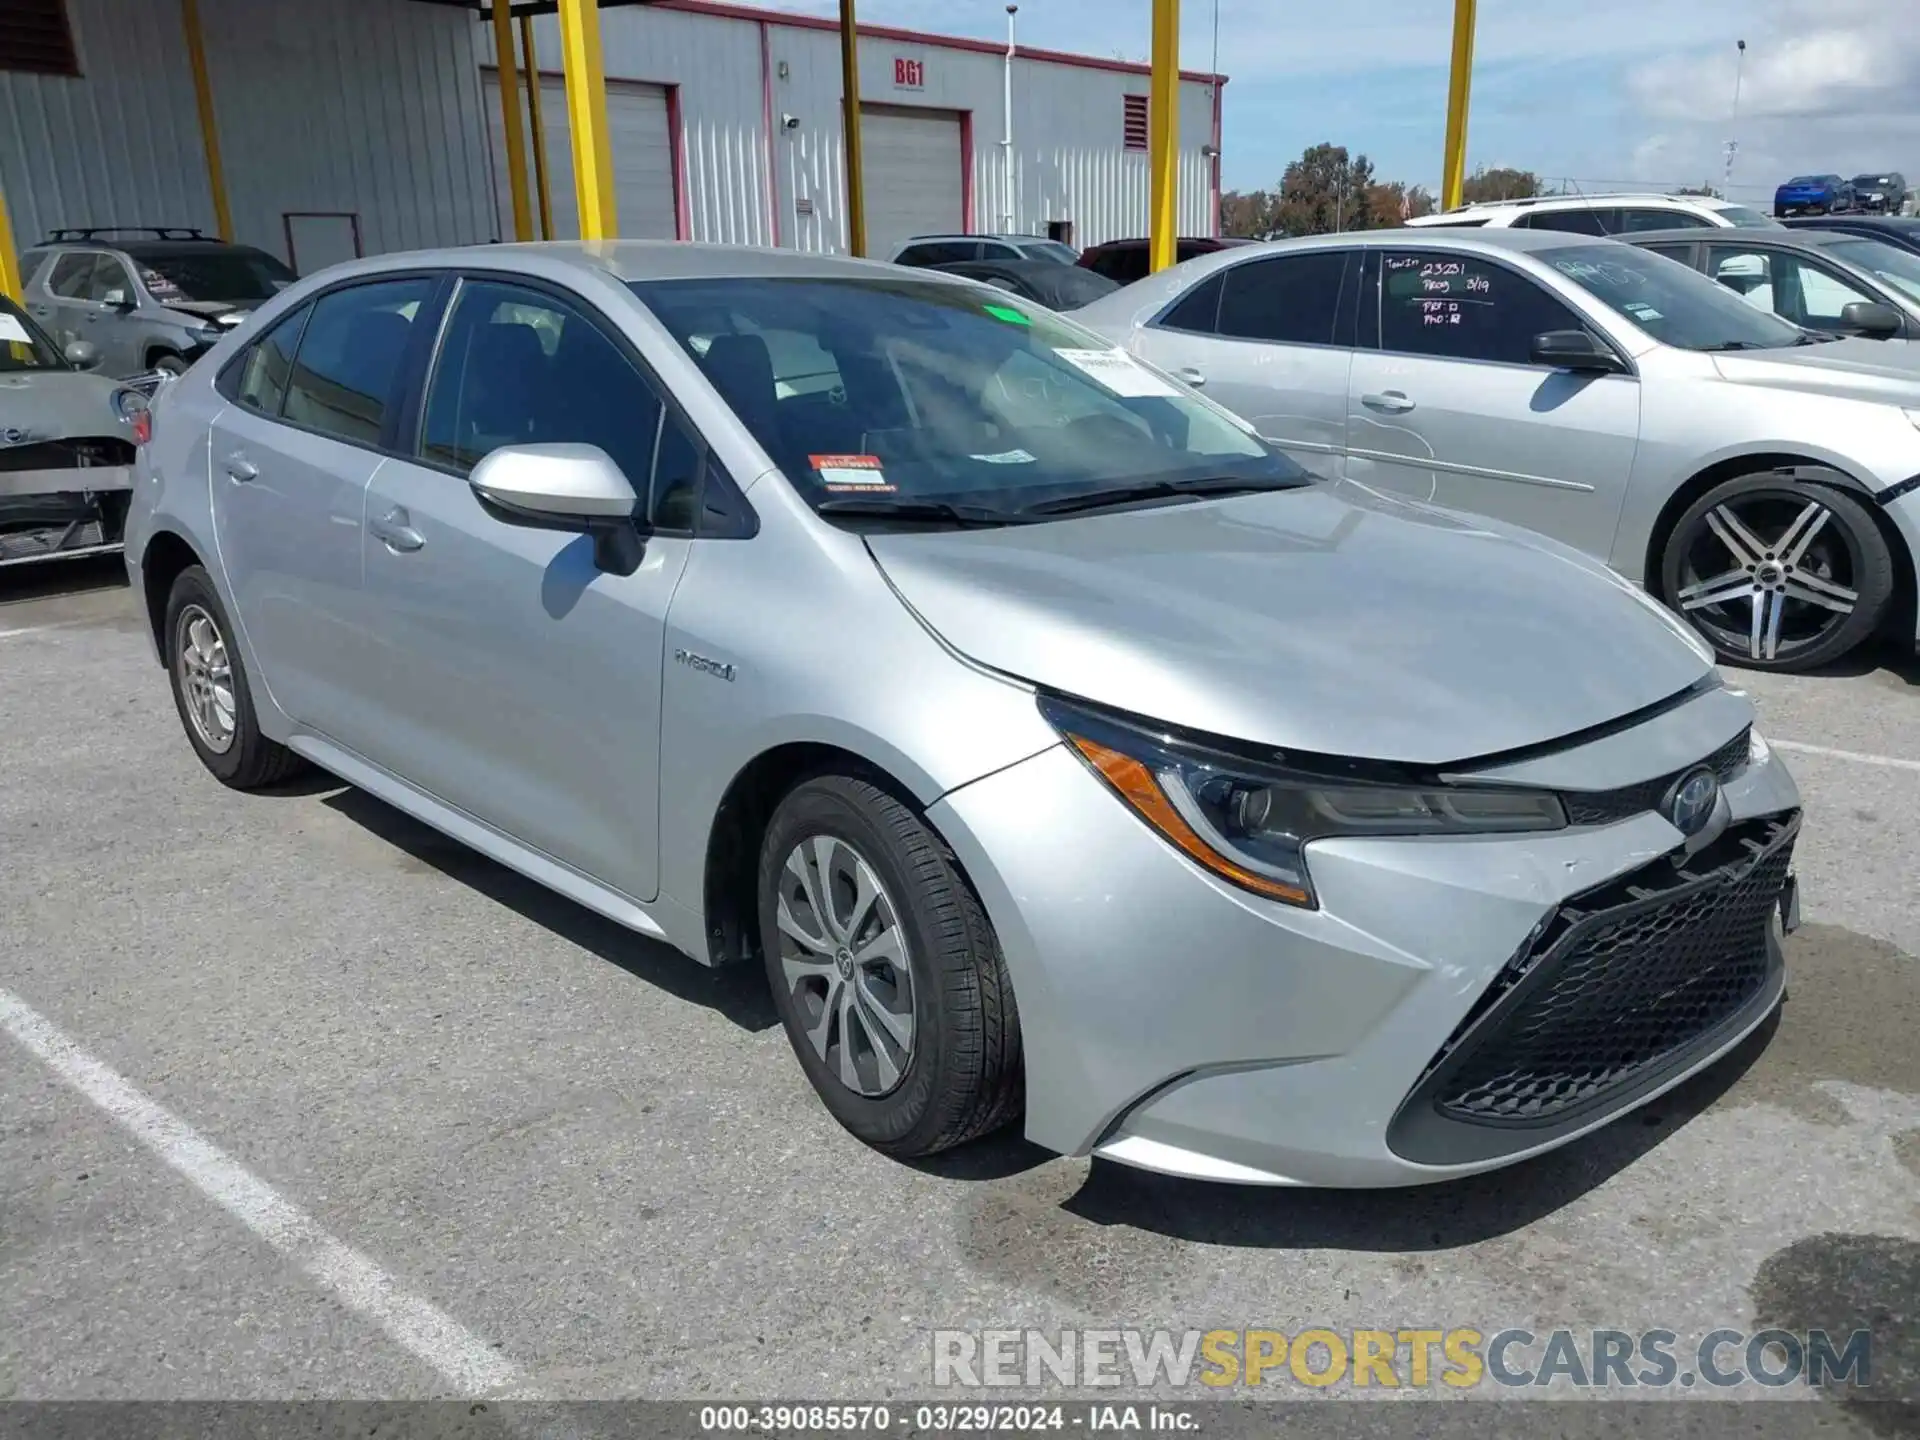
{"points": [[461, 1358], [1859, 757], [15, 634]]}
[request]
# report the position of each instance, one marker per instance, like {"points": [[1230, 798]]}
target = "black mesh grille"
{"points": [[1604, 807], [1628, 979]]}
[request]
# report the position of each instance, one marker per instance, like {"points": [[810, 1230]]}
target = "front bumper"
{"points": [[1173, 1022]]}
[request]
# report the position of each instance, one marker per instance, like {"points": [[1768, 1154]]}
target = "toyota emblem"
{"points": [[13, 435], [1691, 802]]}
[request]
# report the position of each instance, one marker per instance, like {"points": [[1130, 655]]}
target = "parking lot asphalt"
{"points": [[299, 1099]]}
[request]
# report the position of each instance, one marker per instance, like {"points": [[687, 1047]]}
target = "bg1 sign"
{"points": [[909, 74]]}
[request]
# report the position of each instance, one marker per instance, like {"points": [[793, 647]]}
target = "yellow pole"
{"points": [[587, 119], [541, 190], [1163, 133], [1454, 172], [850, 127], [9, 258], [203, 102], [509, 77]]}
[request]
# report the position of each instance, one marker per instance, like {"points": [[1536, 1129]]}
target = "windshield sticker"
{"points": [[1640, 310], [1117, 371], [1005, 457], [13, 332], [1006, 313], [851, 472]]}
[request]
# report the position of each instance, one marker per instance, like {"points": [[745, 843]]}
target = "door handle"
{"points": [[241, 469], [1191, 376], [396, 532], [1393, 402]]}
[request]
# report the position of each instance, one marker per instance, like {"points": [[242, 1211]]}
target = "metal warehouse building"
{"points": [[332, 128]]}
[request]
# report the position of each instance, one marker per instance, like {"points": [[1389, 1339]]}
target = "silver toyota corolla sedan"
{"points": [[1060, 747], [1761, 478]]}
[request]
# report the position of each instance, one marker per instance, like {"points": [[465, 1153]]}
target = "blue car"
{"points": [[1812, 195]]}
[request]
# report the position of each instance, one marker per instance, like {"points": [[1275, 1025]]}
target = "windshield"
{"points": [[236, 276], [1808, 180], [23, 344], [1049, 250], [1873, 181], [1746, 219], [1898, 268], [904, 390], [1672, 302]]}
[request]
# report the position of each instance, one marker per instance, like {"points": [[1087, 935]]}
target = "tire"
{"points": [[199, 653], [172, 364], [960, 1075], [1803, 577]]}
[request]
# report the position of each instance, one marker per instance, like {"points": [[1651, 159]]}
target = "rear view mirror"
{"points": [[1871, 319], [565, 487], [1574, 350]]}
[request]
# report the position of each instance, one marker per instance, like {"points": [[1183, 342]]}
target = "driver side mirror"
{"points": [[82, 354], [565, 487], [1872, 319], [1575, 350], [116, 299]]}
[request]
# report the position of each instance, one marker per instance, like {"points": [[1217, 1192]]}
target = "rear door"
{"points": [[1270, 339], [71, 311], [1445, 404]]}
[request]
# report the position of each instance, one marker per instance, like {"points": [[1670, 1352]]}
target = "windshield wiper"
{"points": [[1159, 489], [1734, 345], [944, 512], [1813, 337]]}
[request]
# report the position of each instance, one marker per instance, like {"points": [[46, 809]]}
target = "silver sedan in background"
{"points": [[1057, 745], [1761, 478]]}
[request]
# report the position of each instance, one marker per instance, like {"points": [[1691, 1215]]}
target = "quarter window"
{"points": [[1199, 309], [1292, 299], [348, 364], [269, 365], [1457, 307]]}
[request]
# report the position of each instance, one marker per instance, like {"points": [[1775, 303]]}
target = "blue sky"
{"points": [[1603, 92]]}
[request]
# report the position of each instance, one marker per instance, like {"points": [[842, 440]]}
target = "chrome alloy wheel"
{"points": [[204, 674], [1767, 574], [843, 953]]}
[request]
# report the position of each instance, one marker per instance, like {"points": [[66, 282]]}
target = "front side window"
{"points": [[522, 367], [1785, 284], [347, 368], [1675, 305], [1458, 307], [946, 393], [1290, 299], [269, 365], [23, 344]]}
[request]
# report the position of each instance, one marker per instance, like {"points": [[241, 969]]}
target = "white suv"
{"points": [[1604, 214]]}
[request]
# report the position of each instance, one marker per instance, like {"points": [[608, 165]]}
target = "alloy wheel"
{"points": [[205, 676], [1768, 574], [845, 962]]}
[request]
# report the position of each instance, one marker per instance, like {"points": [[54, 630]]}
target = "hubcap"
{"points": [[844, 957], [1778, 576], [205, 677]]}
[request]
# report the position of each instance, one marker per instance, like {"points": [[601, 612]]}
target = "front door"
{"points": [[290, 461], [1270, 339], [511, 678], [1449, 407]]}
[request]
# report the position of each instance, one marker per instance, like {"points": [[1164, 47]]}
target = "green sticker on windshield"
{"points": [[1006, 313]]}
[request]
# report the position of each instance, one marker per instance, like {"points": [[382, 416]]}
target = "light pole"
{"points": [[1006, 121], [1733, 144]]}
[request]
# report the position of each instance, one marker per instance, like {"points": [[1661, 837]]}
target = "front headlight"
{"points": [[1249, 821]]}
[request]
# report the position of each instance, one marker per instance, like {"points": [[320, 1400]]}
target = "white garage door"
{"points": [[911, 164], [642, 144]]}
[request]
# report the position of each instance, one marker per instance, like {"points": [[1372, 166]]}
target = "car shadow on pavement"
{"points": [[1897, 659], [737, 992], [1432, 1217]]}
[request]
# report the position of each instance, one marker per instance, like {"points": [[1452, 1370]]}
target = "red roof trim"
{"points": [[725, 10]]}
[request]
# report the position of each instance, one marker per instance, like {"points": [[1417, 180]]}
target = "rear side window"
{"points": [[348, 365], [939, 252], [1459, 307], [1648, 218], [1291, 299], [1584, 221], [30, 265], [268, 365]]}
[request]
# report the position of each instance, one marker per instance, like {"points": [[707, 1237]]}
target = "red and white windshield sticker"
{"points": [[851, 472]]}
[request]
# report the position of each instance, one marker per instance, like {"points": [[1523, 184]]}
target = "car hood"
{"points": [[1327, 619], [1858, 369], [57, 405], [223, 311]]}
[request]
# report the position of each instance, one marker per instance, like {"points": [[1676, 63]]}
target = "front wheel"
{"points": [[1776, 575], [885, 970]]}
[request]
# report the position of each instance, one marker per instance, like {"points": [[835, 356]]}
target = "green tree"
{"points": [[1393, 203], [1502, 183], [1324, 190], [1249, 215]]}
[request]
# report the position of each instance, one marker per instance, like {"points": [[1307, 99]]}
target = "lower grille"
{"points": [[1618, 989]]}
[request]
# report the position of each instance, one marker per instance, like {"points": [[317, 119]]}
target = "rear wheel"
{"points": [[1776, 575], [210, 689], [885, 970]]}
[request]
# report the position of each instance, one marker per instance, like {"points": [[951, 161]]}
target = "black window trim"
{"points": [[1372, 342], [1346, 304], [743, 520]]}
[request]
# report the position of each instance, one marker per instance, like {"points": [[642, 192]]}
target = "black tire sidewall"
{"points": [[1875, 582], [194, 586], [172, 364], [843, 808]]}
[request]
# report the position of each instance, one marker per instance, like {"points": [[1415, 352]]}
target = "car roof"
{"points": [[1598, 197], [629, 260], [982, 235], [1781, 239]]}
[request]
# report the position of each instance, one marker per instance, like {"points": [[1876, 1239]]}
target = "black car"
{"points": [[1880, 194], [1056, 286], [1901, 230], [1825, 280], [1125, 261]]}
